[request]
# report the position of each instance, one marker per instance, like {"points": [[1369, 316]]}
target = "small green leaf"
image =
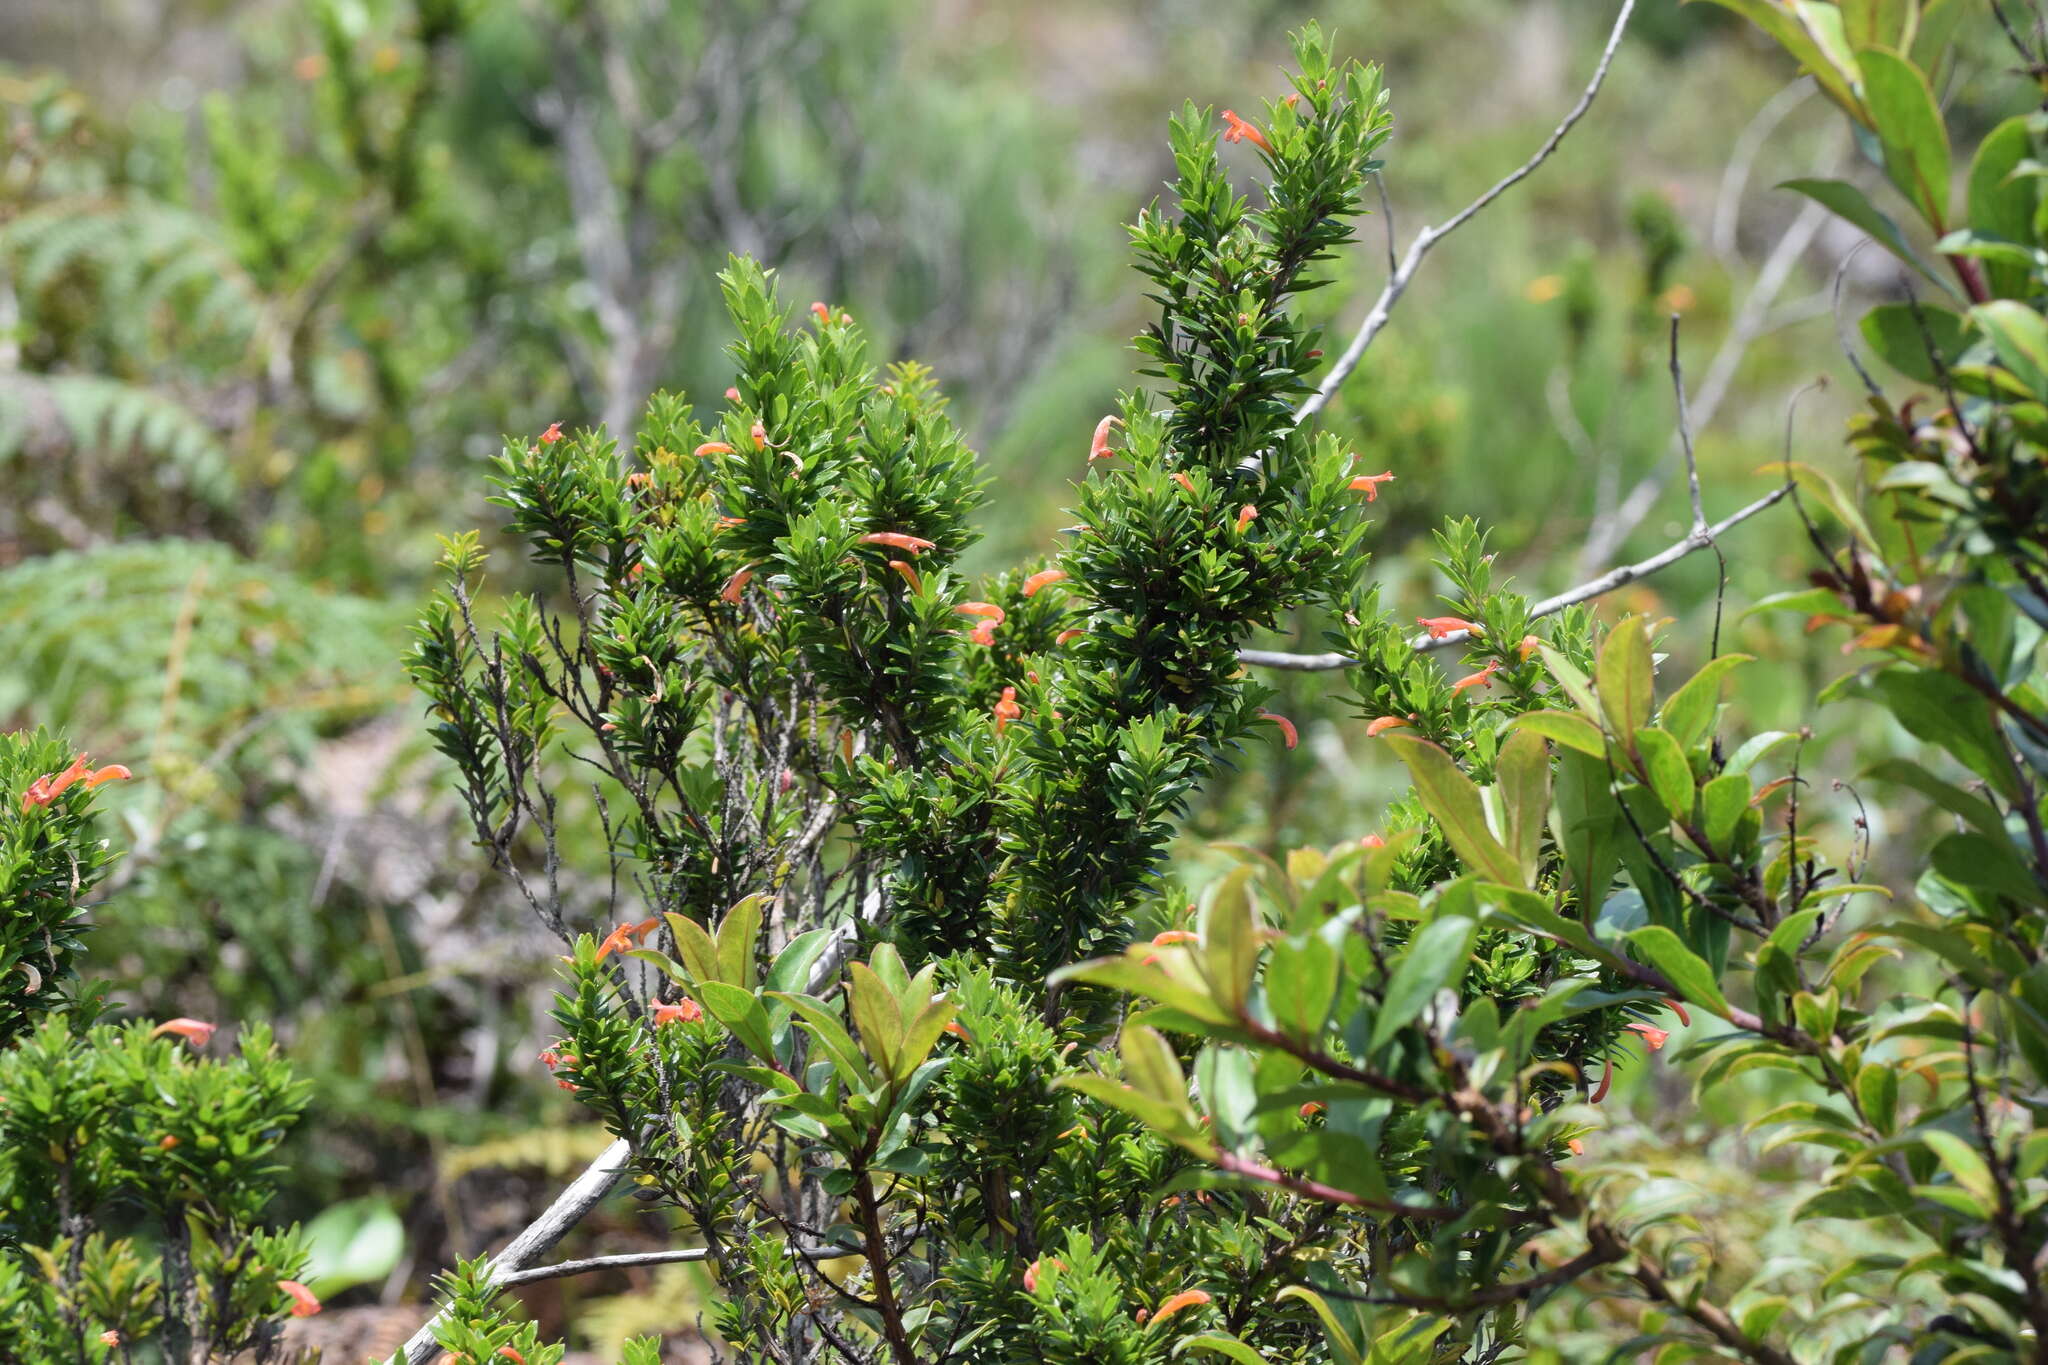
{"points": [[1689, 711], [1522, 778], [1909, 127], [1435, 958], [741, 1014], [1624, 676], [1848, 202], [1449, 796], [737, 933], [1684, 968], [1964, 1162], [1566, 728], [2020, 336], [1669, 775]]}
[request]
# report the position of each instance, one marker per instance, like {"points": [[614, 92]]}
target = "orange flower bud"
{"points": [[512, 1355], [304, 1305], [1098, 449], [1372, 841], [1006, 709], [1441, 627], [1187, 1298], [1171, 936], [897, 540], [760, 435], [1180, 477], [194, 1031], [167, 1141], [1067, 635], [1246, 515], [1530, 644], [110, 1338], [1606, 1080], [1483, 678], [1041, 578], [909, 574], [988, 610], [1311, 1109], [1382, 724], [822, 313], [712, 448], [736, 585], [732, 395], [1287, 730]]}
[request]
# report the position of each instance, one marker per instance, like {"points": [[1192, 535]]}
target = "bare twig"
{"points": [[1549, 606], [1404, 274]]}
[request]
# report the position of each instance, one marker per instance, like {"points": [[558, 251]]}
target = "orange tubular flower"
{"points": [[1654, 1037], [1606, 1080], [110, 1338], [953, 1027], [1067, 635], [1369, 484], [909, 574], [617, 941], [712, 448], [1098, 449], [552, 434], [987, 610], [1041, 578], [897, 540], [983, 634], [512, 1355], [1577, 1147], [50, 786], [1385, 723], [727, 523], [736, 585], [1246, 515], [1161, 940], [1187, 1298], [683, 1011], [1287, 730], [1031, 1272], [1237, 130], [304, 1305], [1180, 477], [760, 435], [822, 313], [1530, 644], [194, 1031], [1440, 627], [1483, 678], [1006, 709], [1679, 1010]]}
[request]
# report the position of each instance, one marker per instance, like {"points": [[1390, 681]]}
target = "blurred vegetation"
{"points": [[275, 279]]}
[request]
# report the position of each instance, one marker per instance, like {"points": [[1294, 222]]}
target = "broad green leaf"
{"points": [[824, 1026], [1576, 685], [1301, 978], [741, 1014], [699, 950], [1814, 484], [1782, 22], [1909, 127], [737, 934], [1877, 1092], [923, 1032], [1944, 710], [1567, 728], [1963, 1161], [1449, 796], [1911, 338], [1723, 802], [1684, 968], [1624, 677], [1341, 1345], [1670, 776], [2003, 204], [1218, 1344], [1229, 948], [1688, 712], [1176, 1123], [1150, 1063], [1847, 202], [875, 1014], [1131, 973], [791, 970], [2020, 336], [1435, 958], [1522, 778]]}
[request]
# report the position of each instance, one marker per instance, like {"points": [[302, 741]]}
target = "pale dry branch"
{"points": [[1404, 274], [1693, 541]]}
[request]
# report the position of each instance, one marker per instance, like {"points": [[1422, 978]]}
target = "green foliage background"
{"points": [[275, 278]]}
